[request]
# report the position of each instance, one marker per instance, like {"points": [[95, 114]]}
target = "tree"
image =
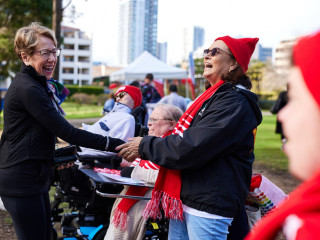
{"points": [[15, 14], [255, 72]]}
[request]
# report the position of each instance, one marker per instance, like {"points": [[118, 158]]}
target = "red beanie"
{"points": [[241, 48], [134, 92], [306, 55]]}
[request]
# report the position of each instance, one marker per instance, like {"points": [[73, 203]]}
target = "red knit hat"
{"points": [[241, 48], [134, 92], [306, 55]]}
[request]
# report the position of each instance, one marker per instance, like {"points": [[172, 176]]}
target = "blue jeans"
{"points": [[198, 228]]}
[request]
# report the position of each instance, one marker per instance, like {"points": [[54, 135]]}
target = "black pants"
{"points": [[31, 216]]}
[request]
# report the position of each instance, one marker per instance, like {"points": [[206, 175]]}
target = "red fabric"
{"points": [[168, 185], [306, 56], [241, 48], [303, 203], [121, 212], [113, 85], [134, 92], [106, 170], [255, 182], [158, 83], [189, 81]]}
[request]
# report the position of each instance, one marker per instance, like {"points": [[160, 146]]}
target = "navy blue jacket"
{"points": [[215, 155]]}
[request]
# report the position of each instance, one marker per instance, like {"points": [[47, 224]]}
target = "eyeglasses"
{"points": [[121, 94], [45, 53], [214, 51], [155, 120]]}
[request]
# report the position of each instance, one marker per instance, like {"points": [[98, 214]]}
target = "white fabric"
{"points": [[146, 63], [118, 123], [1, 205], [198, 213], [174, 99], [143, 174]]}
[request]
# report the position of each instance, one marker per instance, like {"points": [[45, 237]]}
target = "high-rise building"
{"points": [[138, 21], [283, 56], [262, 53], [198, 37], [162, 51], [76, 57]]}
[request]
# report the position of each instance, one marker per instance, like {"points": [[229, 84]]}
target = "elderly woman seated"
{"points": [[126, 216]]}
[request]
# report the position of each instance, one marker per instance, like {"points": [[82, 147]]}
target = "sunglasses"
{"points": [[214, 51], [121, 94]]}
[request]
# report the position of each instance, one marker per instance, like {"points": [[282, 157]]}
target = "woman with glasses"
{"points": [[32, 119], [126, 218], [206, 164]]}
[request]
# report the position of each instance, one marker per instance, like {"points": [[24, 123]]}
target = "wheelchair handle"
{"points": [[111, 195]]}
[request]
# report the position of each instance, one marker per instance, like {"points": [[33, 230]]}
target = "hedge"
{"points": [[95, 90]]}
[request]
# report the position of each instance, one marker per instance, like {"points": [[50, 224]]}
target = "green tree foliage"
{"points": [[199, 66], [15, 14], [255, 72]]}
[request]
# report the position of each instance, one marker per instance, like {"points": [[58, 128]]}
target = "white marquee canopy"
{"points": [[147, 63]]}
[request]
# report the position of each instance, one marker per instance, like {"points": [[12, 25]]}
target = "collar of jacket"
{"points": [[34, 74]]}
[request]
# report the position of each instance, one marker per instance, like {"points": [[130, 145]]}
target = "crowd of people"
{"points": [[199, 158]]}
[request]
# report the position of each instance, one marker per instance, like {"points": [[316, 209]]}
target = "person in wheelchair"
{"points": [[118, 123], [126, 221]]}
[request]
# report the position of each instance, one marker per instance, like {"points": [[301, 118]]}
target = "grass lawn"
{"points": [[75, 111], [267, 146]]}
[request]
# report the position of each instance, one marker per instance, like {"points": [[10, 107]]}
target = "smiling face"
{"points": [[219, 64], [157, 124], [301, 124], [44, 67], [125, 98]]}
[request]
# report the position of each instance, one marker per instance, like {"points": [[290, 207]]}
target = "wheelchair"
{"points": [[90, 200]]}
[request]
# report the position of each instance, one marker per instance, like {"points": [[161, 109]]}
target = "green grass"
{"points": [[77, 111], [268, 144]]}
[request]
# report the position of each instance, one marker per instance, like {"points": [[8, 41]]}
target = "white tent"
{"points": [[147, 63]]}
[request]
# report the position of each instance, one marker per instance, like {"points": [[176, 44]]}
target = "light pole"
{"points": [[79, 74]]}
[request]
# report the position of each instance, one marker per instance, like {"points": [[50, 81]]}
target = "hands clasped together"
{"points": [[129, 150]]}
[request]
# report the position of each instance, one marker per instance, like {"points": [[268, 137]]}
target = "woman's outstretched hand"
{"points": [[129, 150]]}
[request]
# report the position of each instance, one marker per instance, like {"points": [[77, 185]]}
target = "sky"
{"points": [[269, 20]]}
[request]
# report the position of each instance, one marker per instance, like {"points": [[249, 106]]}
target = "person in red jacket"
{"points": [[298, 217]]}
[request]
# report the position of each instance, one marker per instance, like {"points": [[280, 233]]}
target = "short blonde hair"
{"points": [[27, 38]]}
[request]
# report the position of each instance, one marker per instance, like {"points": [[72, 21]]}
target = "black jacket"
{"points": [[31, 122], [215, 155]]}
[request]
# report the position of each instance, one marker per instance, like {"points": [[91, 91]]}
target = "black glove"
{"points": [[113, 143], [126, 172]]}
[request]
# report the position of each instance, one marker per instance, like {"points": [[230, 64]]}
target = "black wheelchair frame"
{"points": [[88, 214]]}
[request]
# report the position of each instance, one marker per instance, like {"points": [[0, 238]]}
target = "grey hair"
{"points": [[171, 112]]}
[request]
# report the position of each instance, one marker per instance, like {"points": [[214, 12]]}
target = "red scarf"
{"points": [[121, 212], [168, 185], [304, 202]]}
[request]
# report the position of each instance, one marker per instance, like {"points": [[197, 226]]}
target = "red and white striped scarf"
{"points": [[121, 212], [166, 192]]}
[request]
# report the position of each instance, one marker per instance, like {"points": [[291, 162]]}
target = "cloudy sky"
{"points": [[270, 20]]}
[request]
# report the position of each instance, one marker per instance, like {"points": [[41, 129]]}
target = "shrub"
{"points": [[266, 104], [83, 98], [96, 90]]}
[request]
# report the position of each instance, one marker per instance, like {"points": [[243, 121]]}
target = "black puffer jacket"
{"points": [[31, 122], [215, 155]]}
